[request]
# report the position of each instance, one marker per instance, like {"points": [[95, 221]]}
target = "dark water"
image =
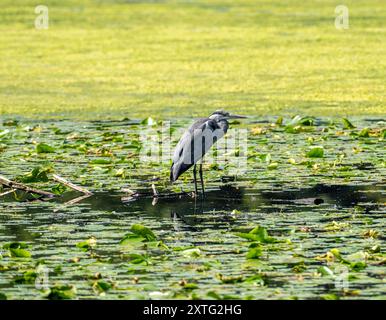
{"points": [[191, 211]]}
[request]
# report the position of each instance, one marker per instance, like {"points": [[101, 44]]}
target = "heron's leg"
{"points": [[195, 178], [202, 180]]}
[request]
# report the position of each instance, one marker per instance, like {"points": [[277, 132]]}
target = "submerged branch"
{"points": [[77, 200], [19, 186]]}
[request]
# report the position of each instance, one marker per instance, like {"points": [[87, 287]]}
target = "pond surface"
{"points": [[321, 219]]}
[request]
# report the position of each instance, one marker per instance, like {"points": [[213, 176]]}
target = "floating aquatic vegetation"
{"points": [[309, 209]]}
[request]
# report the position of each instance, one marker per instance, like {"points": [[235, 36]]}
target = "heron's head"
{"points": [[223, 115]]}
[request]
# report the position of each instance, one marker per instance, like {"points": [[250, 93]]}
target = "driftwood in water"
{"points": [[14, 186], [19, 186], [70, 184], [7, 192], [77, 200]]}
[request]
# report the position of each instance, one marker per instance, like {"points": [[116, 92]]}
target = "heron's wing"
{"points": [[194, 143], [187, 137]]}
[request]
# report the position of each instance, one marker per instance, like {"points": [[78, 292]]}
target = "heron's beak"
{"points": [[235, 116]]}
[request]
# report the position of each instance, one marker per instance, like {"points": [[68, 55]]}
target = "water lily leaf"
{"points": [[101, 286], [143, 231], [325, 271], [61, 292], [58, 189], [17, 249], [101, 161], [230, 279], [279, 121], [44, 148], [120, 173], [299, 267], [294, 121], [15, 245], [307, 121], [190, 286], [214, 295], [10, 123], [375, 249], [364, 133], [266, 157], [87, 245], [357, 260], [258, 130], [27, 277], [3, 133], [347, 124], [273, 166], [299, 124], [235, 212], [254, 252], [315, 152], [336, 226], [137, 233], [38, 174], [136, 258], [20, 253], [256, 279], [131, 238], [259, 234], [195, 252], [358, 266]]}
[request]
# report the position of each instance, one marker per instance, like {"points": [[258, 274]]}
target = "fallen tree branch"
{"points": [[70, 184], [7, 192], [19, 186], [79, 199], [71, 202]]}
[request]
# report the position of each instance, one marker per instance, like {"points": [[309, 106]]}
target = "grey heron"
{"points": [[195, 143]]}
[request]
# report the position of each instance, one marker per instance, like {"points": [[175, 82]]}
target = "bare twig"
{"points": [[19, 186], [79, 199], [155, 193], [70, 184], [7, 192], [73, 201]]}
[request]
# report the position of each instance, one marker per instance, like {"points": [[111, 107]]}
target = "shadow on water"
{"points": [[341, 196], [188, 213], [222, 201], [228, 198]]}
